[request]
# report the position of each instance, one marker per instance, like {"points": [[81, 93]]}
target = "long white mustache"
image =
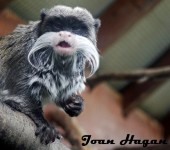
{"points": [[82, 45]]}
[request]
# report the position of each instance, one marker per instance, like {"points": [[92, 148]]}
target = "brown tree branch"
{"points": [[72, 130], [17, 131], [137, 75]]}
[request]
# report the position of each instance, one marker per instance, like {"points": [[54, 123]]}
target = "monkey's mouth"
{"points": [[64, 48], [64, 44]]}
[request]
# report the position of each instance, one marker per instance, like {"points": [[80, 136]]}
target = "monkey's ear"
{"points": [[43, 13], [97, 24]]}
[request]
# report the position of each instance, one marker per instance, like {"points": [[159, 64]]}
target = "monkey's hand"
{"points": [[47, 133], [73, 106]]}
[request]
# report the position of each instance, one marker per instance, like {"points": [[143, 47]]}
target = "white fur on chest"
{"points": [[75, 86]]}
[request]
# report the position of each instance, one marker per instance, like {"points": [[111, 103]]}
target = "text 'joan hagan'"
{"points": [[129, 139]]}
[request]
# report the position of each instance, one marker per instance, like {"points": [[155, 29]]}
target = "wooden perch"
{"points": [[17, 132], [136, 75]]}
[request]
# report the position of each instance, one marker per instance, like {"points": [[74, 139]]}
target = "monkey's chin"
{"points": [[66, 51]]}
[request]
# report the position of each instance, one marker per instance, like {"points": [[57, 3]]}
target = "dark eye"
{"points": [[53, 24], [80, 30], [76, 29], [58, 23], [57, 27]]}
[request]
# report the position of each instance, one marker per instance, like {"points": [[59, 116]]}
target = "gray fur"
{"points": [[31, 73]]}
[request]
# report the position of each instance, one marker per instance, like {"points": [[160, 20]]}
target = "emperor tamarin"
{"points": [[46, 60]]}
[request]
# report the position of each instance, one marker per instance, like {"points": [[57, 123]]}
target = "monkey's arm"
{"points": [[33, 109], [31, 106], [17, 132]]}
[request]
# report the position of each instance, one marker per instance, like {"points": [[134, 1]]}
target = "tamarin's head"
{"points": [[66, 34]]}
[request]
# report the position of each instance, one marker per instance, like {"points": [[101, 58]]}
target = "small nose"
{"points": [[64, 34]]}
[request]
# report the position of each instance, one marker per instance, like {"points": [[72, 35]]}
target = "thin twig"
{"points": [[137, 75]]}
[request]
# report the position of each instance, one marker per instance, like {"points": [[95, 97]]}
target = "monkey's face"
{"points": [[65, 34]]}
